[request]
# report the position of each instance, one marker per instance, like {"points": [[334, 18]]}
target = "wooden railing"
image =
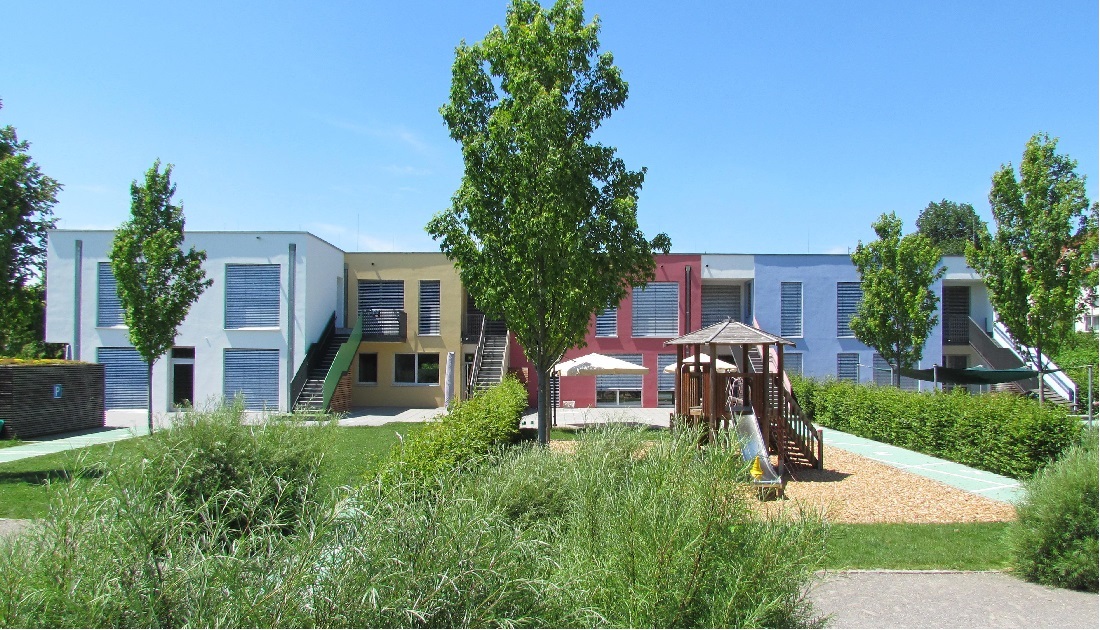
{"points": [[793, 425]]}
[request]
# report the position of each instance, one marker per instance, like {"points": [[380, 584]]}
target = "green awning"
{"points": [[970, 376]]}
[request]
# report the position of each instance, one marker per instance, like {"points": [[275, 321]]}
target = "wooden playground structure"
{"points": [[709, 394]]}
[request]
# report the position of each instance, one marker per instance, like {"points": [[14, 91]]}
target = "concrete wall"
{"points": [[410, 268], [204, 328]]}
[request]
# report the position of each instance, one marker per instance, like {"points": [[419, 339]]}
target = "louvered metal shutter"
{"points": [[126, 378], [721, 302], [254, 374], [847, 366], [607, 323], [108, 307], [251, 296], [381, 294], [792, 363], [666, 381], [656, 310], [606, 382], [848, 295], [790, 309], [555, 389], [428, 323]]}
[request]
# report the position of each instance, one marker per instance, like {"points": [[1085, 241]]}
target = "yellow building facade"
{"points": [[413, 307]]}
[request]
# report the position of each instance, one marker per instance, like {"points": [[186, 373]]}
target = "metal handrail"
{"points": [[342, 363], [477, 357]]}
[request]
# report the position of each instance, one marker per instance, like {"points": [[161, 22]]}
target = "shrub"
{"points": [[1001, 433], [472, 429], [1055, 541]]}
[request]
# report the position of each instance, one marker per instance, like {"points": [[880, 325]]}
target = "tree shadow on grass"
{"points": [[52, 475]]}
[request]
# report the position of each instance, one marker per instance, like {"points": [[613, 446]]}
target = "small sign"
{"points": [[57, 391]]}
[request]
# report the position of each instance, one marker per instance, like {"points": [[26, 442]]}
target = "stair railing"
{"points": [[312, 359], [342, 363], [477, 357], [1053, 377], [798, 426]]}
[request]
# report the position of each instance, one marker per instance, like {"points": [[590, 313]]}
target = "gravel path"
{"points": [[855, 489]]}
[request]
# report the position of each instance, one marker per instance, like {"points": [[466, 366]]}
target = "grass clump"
{"points": [[472, 429], [1055, 541], [1000, 433]]}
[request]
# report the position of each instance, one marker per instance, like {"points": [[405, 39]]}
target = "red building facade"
{"points": [[668, 307]]}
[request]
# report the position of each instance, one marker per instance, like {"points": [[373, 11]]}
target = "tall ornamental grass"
{"points": [[630, 530], [1001, 433], [1055, 540]]}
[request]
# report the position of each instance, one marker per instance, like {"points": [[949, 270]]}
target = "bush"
{"points": [[1001, 433], [472, 429], [1055, 541]]}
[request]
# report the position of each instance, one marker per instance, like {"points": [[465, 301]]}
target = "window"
{"points": [[656, 310], [847, 366], [790, 309], [429, 308], [666, 381], [368, 367], [720, 302], [416, 369], [381, 295], [251, 296], [792, 363], [252, 374], [848, 296], [108, 307], [620, 390], [607, 323]]}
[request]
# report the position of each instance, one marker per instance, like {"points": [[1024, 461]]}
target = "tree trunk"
{"points": [[543, 398], [149, 398]]}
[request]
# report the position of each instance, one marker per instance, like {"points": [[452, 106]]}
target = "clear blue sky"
{"points": [[765, 126]]}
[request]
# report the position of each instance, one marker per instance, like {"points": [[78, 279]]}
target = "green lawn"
{"points": [[11, 442], [25, 484], [955, 546]]}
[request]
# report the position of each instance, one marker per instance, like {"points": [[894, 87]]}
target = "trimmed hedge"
{"points": [[1057, 540], [471, 429], [1000, 433]]}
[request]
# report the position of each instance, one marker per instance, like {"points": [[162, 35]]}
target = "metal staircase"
{"points": [[491, 357], [312, 396], [1002, 352]]}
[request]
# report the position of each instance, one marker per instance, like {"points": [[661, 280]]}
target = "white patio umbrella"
{"points": [[704, 359], [596, 363]]}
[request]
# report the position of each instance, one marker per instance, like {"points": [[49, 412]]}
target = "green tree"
{"points": [[543, 228], [951, 226], [898, 308], [27, 198], [1031, 267], [157, 281]]}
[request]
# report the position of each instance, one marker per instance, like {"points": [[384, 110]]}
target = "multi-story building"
{"points": [[283, 303]]}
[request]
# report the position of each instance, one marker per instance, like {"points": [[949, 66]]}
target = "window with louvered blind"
{"points": [[884, 374], [720, 302], [620, 390], [792, 363], [251, 296], [428, 323], [655, 310], [666, 381], [108, 307], [790, 296], [847, 366], [607, 323], [252, 374], [848, 296]]}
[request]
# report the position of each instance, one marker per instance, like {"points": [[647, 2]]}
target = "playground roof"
{"points": [[729, 333]]}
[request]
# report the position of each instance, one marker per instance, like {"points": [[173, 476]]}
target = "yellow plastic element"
{"points": [[756, 471]]}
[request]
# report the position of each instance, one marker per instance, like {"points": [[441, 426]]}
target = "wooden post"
{"points": [[765, 392], [714, 416], [679, 394]]}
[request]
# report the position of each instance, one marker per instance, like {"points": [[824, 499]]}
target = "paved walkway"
{"points": [[946, 599]]}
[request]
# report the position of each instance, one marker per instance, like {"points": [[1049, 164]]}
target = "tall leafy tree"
{"points": [[157, 281], [898, 309], [951, 226], [543, 227], [1031, 266], [27, 198]]}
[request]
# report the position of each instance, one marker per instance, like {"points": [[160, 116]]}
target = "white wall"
{"points": [[204, 328]]}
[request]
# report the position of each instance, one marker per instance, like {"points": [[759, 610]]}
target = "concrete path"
{"points": [[980, 482], [925, 599]]}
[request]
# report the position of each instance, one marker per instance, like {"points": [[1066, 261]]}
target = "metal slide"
{"points": [[752, 447]]}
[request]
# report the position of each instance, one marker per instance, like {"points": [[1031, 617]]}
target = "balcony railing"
{"points": [[956, 328], [385, 325]]}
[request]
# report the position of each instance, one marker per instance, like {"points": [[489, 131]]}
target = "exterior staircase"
{"points": [[491, 357], [312, 397], [793, 436], [1000, 352]]}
